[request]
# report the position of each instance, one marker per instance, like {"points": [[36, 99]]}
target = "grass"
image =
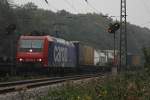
{"points": [[126, 86]]}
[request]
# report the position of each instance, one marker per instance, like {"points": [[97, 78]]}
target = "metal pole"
{"points": [[114, 68], [114, 49], [123, 36]]}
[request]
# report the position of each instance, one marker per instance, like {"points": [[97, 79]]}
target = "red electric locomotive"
{"points": [[46, 51], [33, 49]]}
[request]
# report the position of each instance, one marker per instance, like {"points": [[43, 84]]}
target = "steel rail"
{"points": [[4, 84], [27, 84]]}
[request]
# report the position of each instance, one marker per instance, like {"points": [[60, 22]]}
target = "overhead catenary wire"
{"points": [[91, 6], [146, 23], [147, 10], [80, 4], [145, 6], [50, 5], [46, 1], [72, 6]]}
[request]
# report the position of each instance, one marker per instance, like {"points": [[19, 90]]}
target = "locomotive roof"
{"points": [[36, 37], [50, 38], [59, 40]]}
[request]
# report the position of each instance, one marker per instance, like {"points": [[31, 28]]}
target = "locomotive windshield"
{"points": [[34, 45]]}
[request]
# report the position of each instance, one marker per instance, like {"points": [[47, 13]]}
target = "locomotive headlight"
{"points": [[40, 60], [30, 50], [20, 59]]}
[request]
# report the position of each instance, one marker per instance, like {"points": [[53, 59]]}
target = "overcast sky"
{"points": [[138, 11]]}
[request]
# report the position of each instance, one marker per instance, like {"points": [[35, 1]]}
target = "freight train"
{"points": [[53, 53]]}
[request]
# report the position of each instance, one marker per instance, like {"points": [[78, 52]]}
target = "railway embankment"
{"points": [[36, 89], [131, 85], [126, 86]]}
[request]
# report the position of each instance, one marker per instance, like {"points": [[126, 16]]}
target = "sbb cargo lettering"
{"points": [[60, 54]]}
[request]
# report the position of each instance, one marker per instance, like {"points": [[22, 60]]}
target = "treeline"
{"points": [[89, 28]]}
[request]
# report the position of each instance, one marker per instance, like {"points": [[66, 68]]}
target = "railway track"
{"points": [[27, 84]]}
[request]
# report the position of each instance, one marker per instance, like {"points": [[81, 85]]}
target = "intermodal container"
{"points": [[88, 53], [85, 54], [134, 60], [96, 58]]}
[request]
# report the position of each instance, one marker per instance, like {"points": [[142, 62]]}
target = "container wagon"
{"points": [[134, 60], [85, 54]]}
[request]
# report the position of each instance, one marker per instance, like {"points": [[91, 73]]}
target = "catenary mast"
{"points": [[123, 36]]}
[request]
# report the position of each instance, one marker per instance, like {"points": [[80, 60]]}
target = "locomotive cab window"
{"points": [[31, 45]]}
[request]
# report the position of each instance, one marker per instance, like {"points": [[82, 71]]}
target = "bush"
{"points": [[127, 86], [146, 52]]}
